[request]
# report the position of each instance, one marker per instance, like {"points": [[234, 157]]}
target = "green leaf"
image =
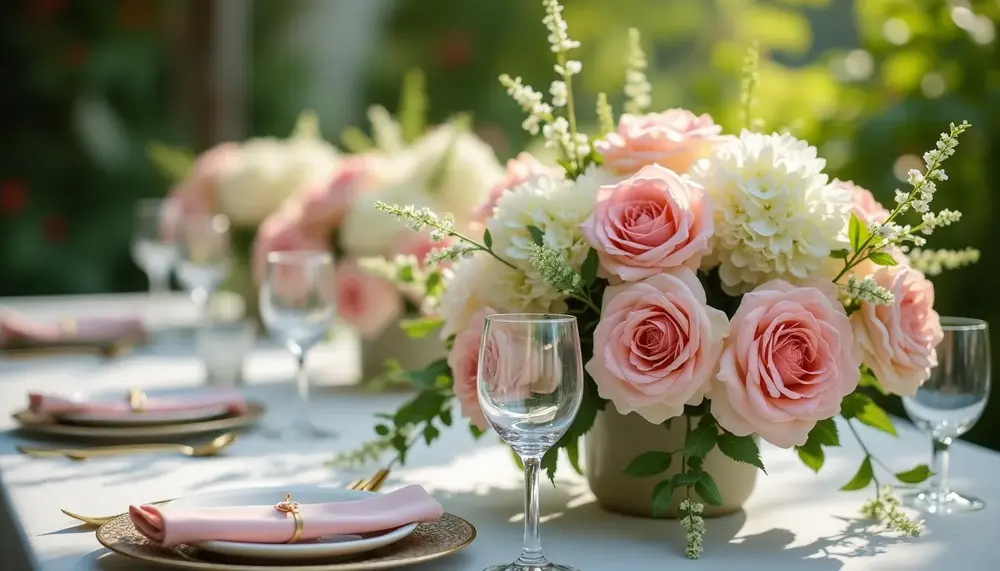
{"points": [[573, 453], [172, 162], [446, 417], [706, 488], [399, 443], [404, 274], [695, 463], [537, 236], [839, 254], [430, 433], [421, 408], [355, 140], [811, 454], [701, 440], [649, 464], [825, 433], [427, 377], [588, 271], [741, 449], [873, 415], [853, 404], [915, 475], [857, 231], [549, 463], [662, 493], [862, 478], [421, 326], [434, 286], [689, 478], [412, 110], [882, 259], [381, 430], [488, 239], [477, 432], [868, 379]]}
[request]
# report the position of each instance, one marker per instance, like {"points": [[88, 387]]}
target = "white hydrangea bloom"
{"points": [[776, 216], [367, 231], [464, 286]]}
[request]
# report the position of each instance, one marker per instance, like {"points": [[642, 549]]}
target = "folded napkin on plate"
{"points": [[15, 329], [50, 404], [170, 526]]}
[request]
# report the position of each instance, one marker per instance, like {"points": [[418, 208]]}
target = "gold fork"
{"points": [[371, 484]]}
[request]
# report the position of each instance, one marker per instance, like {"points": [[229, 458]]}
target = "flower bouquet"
{"points": [[724, 287]]}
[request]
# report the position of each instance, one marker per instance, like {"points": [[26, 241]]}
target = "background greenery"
{"points": [[870, 82]]}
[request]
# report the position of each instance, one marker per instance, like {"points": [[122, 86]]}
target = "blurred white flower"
{"points": [[776, 216]]}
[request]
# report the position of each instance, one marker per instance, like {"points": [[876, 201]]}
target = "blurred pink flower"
{"points": [[281, 232], [324, 206], [463, 359], [519, 170], [863, 203], [367, 302]]}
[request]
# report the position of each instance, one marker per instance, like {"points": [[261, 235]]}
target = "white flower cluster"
{"points": [[694, 526], [637, 87], [934, 262], [552, 267], [605, 114], [530, 101], [867, 289], [419, 218], [885, 507], [776, 216], [558, 135], [559, 38]]}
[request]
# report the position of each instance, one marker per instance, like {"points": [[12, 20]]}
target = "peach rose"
{"points": [[368, 303], [284, 231], [675, 139], [788, 363], [863, 203], [651, 222], [657, 345], [324, 206], [464, 363], [519, 170], [899, 341], [514, 366]]}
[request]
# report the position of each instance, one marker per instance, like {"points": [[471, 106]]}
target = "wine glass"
{"points": [[297, 304], [948, 404], [154, 248], [205, 256], [530, 384]]}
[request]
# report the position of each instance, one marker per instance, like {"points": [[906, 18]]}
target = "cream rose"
{"points": [[519, 171], [463, 359], [657, 345], [675, 139], [788, 363], [899, 341], [649, 223]]}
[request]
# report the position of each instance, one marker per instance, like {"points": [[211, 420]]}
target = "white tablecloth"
{"points": [[794, 520]]}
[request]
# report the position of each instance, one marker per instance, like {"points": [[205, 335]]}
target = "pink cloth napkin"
{"points": [[264, 524], [50, 404], [15, 328]]}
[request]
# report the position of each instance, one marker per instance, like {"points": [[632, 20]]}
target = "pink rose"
{"points": [[651, 222], [788, 363], [675, 139], [419, 245], [324, 206], [656, 345], [515, 366], [368, 303], [284, 231], [519, 170], [899, 341], [864, 205], [464, 363], [196, 194]]}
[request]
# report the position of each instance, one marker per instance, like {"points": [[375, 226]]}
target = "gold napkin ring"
{"points": [[137, 400], [288, 506]]}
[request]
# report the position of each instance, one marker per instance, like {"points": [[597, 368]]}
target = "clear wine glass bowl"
{"points": [[154, 248], [205, 255], [947, 405], [297, 306], [530, 385]]}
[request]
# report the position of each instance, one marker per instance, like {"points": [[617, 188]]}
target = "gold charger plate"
{"points": [[429, 541], [46, 425]]}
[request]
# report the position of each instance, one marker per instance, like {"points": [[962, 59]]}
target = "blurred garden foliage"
{"points": [[870, 82]]}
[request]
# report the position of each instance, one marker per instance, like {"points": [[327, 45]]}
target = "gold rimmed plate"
{"points": [[428, 541], [45, 425]]}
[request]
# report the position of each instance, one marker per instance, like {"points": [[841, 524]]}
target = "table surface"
{"points": [[794, 520]]}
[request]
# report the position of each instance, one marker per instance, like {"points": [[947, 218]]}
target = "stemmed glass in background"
{"points": [[530, 384], [205, 256], [154, 247], [948, 404], [297, 304]]}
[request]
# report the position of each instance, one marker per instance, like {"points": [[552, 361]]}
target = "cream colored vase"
{"points": [[616, 439], [394, 343]]}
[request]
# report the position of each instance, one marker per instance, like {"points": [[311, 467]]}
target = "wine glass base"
{"points": [[515, 566], [941, 503]]}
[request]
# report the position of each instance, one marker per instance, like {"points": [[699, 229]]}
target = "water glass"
{"points": [[530, 384], [153, 246], [205, 256], [297, 304], [223, 347], [948, 405]]}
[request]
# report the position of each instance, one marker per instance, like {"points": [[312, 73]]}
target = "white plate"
{"points": [[130, 418], [330, 546]]}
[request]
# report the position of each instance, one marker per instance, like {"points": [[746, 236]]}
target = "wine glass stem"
{"points": [[159, 285], [302, 381], [939, 465], [531, 549]]}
